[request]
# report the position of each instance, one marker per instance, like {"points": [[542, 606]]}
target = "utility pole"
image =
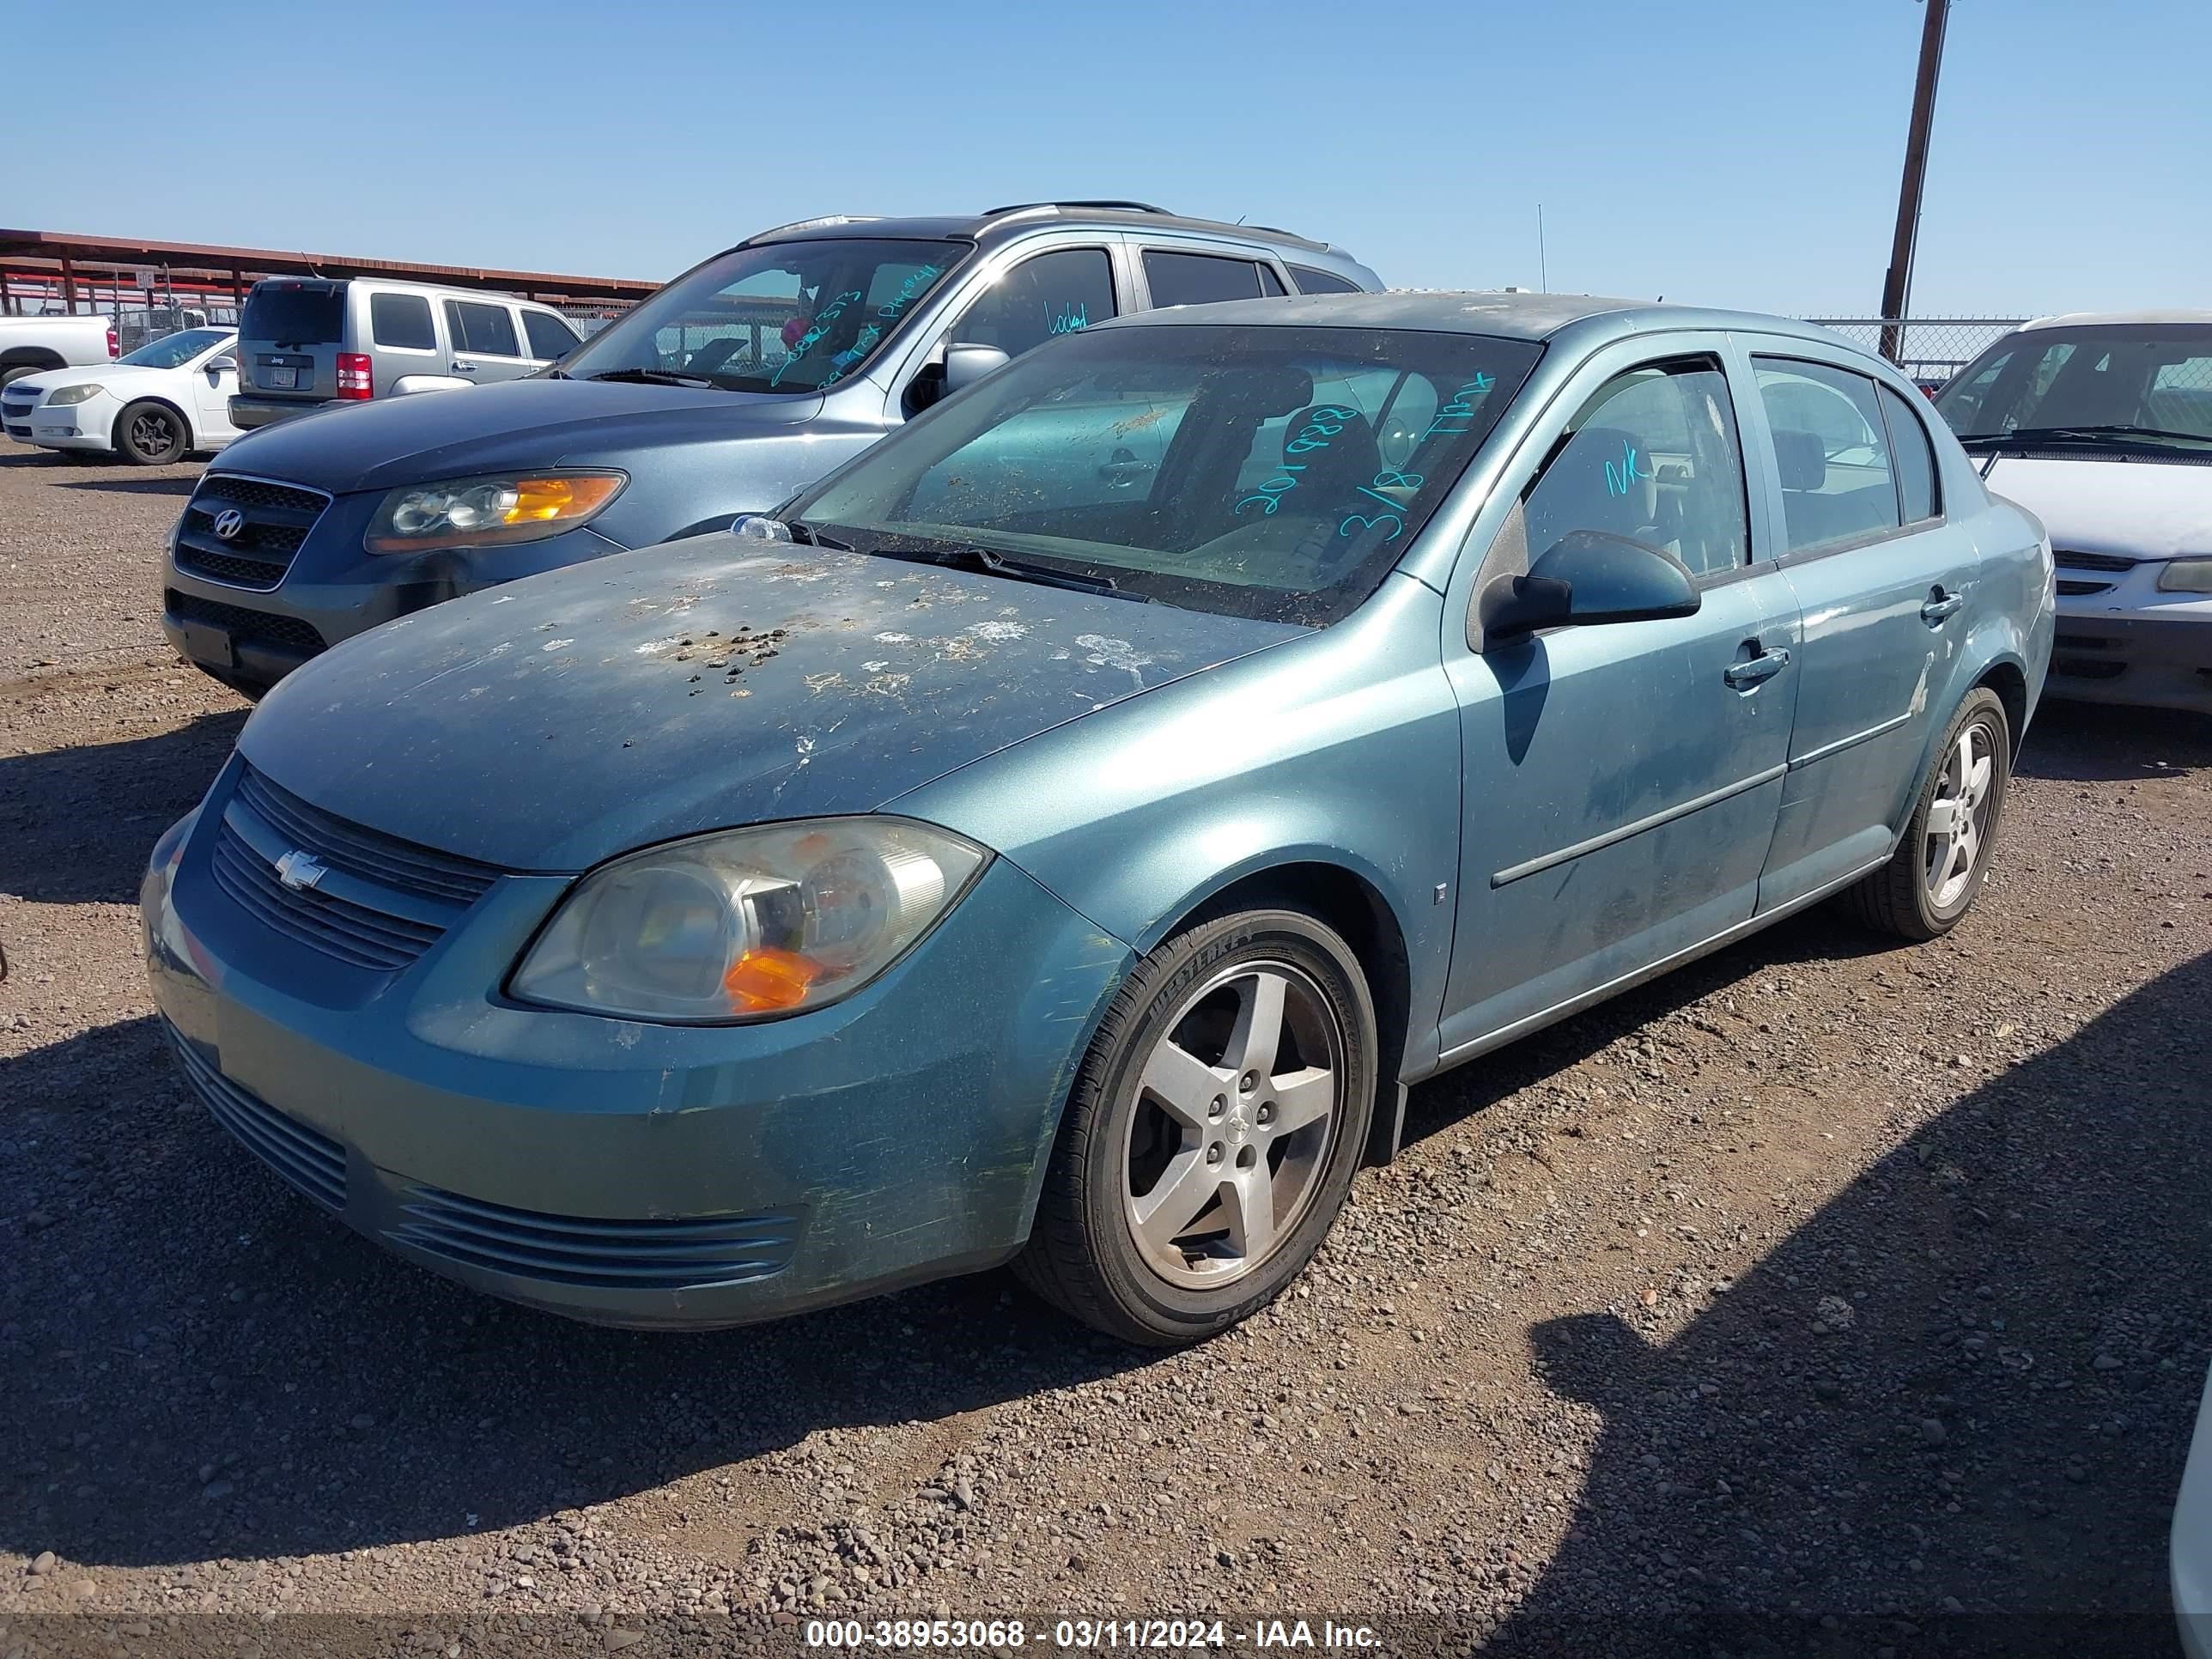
{"points": [[1897, 286]]}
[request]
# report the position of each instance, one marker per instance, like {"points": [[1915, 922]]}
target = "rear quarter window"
{"points": [[403, 320], [1310, 281]]}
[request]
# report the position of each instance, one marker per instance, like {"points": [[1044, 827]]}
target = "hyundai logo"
{"points": [[229, 523], [300, 871]]}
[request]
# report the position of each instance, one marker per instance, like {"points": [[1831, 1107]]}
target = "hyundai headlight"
{"points": [[2187, 576], [84, 392], [747, 924], [494, 510]]}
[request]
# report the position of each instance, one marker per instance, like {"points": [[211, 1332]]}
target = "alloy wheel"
{"points": [[1958, 818], [1238, 1111]]}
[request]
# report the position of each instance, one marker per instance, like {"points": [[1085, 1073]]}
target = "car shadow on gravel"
{"points": [[78, 822], [2095, 743], [1947, 1413], [195, 1363]]}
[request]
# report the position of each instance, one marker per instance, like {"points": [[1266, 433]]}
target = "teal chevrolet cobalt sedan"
{"points": [[1060, 837]]}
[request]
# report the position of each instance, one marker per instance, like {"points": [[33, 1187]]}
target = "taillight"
{"points": [[110, 342], [356, 375]]}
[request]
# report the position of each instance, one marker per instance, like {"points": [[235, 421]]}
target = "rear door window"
{"points": [[1310, 281], [482, 329], [1832, 450], [1198, 279], [1915, 458], [294, 313], [549, 336], [403, 320]]}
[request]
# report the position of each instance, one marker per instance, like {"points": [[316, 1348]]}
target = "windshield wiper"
{"points": [[802, 531], [652, 377], [2113, 433], [991, 563]]}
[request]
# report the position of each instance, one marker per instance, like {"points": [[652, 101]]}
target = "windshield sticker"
{"points": [[1456, 416], [1323, 422], [820, 326], [1068, 318], [1452, 418], [922, 277]]}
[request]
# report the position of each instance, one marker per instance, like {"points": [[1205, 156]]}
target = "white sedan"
{"points": [[167, 398]]}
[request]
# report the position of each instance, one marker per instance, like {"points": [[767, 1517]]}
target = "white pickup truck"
{"points": [[28, 345]]}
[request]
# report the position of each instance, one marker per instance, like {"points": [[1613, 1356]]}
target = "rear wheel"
{"points": [[1928, 887], [149, 433], [1212, 1132], [15, 372]]}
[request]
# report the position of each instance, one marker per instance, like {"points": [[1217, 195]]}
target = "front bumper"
{"points": [[627, 1173], [87, 426], [2157, 656]]}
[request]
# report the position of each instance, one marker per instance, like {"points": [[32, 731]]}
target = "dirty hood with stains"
{"points": [[551, 723]]}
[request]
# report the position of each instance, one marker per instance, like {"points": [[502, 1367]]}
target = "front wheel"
{"points": [[1212, 1132], [151, 434], [1927, 885]]}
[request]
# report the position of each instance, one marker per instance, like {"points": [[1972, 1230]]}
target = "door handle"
{"points": [[464, 368], [1756, 671], [1940, 607], [1122, 469]]}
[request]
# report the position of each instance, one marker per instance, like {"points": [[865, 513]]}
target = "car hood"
{"points": [[530, 423], [2138, 508], [54, 379], [551, 723]]}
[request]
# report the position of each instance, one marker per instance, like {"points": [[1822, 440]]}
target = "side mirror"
{"points": [[223, 364], [965, 365], [1587, 576]]}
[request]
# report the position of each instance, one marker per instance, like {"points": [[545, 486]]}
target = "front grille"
{"points": [[2074, 560], [354, 934], [659, 1255], [277, 518], [310, 1160], [382, 901], [2083, 642], [2079, 590], [366, 853], [247, 625], [22, 432]]}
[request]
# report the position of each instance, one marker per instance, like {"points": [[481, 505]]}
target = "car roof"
{"points": [[995, 223], [1508, 314], [2111, 318]]}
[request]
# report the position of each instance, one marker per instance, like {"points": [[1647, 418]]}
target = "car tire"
{"points": [[1930, 884], [148, 433], [1185, 1101], [15, 372]]}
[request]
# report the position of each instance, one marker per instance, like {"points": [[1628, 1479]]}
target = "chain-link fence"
{"points": [[1931, 349]]}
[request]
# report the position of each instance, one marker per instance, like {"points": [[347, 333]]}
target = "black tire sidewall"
{"points": [[130, 413], [1981, 704], [1109, 1090]]}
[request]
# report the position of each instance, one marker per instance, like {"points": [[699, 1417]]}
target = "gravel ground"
{"points": [[1822, 1297]]}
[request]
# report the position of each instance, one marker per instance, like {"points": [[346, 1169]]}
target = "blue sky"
{"points": [[1738, 152]]}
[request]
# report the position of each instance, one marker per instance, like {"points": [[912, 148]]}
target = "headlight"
{"points": [[67, 395], [747, 924], [2187, 576], [525, 507]]}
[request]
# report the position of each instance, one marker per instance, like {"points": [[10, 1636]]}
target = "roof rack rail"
{"points": [[810, 224], [1024, 207]]}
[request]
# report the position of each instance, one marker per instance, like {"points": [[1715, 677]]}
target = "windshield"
{"points": [[175, 350], [2154, 376], [1260, 471], [788, 317]]}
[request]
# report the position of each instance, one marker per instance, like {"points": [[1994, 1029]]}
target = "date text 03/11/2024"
{"points": [[1088, 1635]]}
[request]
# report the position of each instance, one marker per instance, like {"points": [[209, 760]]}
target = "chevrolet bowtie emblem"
{"points": [[300, 871]]}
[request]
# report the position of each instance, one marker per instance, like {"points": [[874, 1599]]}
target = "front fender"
{"points": [[1339, 748]]}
